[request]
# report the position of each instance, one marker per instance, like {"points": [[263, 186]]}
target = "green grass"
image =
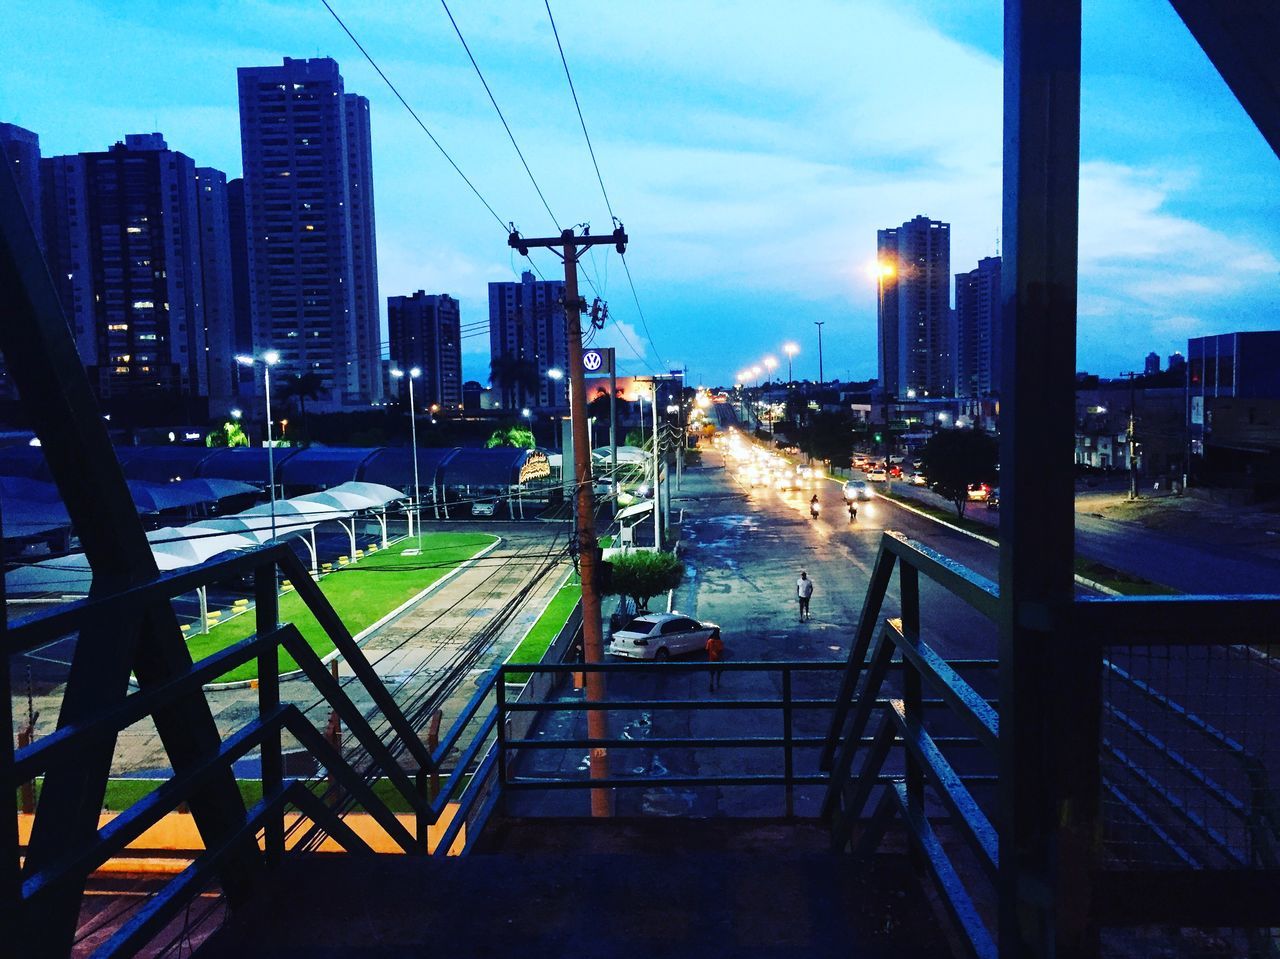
{"points": [[362, 594], [946, 515], [543, 632], [123, 793], [1126, 583]]}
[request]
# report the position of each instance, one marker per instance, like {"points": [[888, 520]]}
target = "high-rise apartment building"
{"points": [[423, 331], [216, 278], [21, 150], [124, 243], [1152, 365], [916, 352], [309, 222], [242, 330], [526, 339], [978, 330]]}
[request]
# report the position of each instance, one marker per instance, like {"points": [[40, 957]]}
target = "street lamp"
{"points": [[413, 432], [269, 359], [791, 349], [236, 413]]}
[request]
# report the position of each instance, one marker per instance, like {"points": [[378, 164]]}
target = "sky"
{"points": [[751, 148]]}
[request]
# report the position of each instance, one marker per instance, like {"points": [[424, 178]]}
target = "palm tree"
{"points": [[516, 377], [303, 387]]}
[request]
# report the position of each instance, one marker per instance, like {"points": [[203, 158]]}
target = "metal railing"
{"points": [[1176, 800], [257, 837]]}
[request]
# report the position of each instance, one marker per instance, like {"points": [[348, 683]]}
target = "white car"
{"points": [[918, 479], [878, 475], [857, 489], [661, 636]]}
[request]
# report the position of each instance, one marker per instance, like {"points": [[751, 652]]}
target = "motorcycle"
{"points": [[814, 507], [853, 513]]}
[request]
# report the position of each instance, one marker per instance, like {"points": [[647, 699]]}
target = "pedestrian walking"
{"points": [[804, 592], [715, 656]]}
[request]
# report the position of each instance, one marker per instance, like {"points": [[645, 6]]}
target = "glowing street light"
{"points": [[269, 359], [413, 431], [791, 349]]}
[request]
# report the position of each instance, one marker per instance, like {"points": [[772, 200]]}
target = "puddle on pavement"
{"points": [[667, 802]]}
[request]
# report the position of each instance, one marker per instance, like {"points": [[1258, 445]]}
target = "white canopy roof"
{"points": [[635, 511]]}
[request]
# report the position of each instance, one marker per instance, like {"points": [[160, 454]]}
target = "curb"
{"points": [[364, 634], [1080, 580]]}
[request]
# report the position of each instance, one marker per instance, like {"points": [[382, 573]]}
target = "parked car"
{"points": [[993, 498], [918, 479], [896, 458], [661, 636], [483, 508], [878, 475], [857, 490]]}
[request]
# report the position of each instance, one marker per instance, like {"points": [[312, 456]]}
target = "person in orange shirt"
{"points": [[715, 653]]}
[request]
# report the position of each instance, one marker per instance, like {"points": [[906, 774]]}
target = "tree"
{"points": [[515, 377], [955, 458], [643, 576], [511, 436], [303, 387], [230, 433]]}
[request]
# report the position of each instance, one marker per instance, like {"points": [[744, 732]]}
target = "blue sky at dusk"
{"points": [[751, 148]]}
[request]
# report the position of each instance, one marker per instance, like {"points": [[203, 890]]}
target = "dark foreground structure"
{"points": [[1105, 788]]}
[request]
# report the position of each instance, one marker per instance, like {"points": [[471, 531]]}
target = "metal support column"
{"points": [[1048, 786]]}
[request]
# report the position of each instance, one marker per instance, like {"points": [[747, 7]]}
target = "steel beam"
{"points": [[1241, 38], [1048, 721], [41, 356]]}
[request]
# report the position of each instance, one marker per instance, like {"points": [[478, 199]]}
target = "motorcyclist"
{"points": [[813, 506], [853, 511]]}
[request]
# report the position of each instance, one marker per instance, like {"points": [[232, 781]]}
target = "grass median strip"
{"points": [[361, 593], [547, 627]]}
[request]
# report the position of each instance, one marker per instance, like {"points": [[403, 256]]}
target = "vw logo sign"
{"points": [[592, 360]]}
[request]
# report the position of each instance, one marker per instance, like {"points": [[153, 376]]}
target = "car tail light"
{"points": [[643, 641]]}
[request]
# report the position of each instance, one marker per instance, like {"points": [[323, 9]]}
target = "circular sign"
{"points": [[592, 360]]}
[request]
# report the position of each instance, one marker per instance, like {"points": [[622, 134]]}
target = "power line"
{"points": [[373, 63], [494, 101], [578, 107], [600, 179]]}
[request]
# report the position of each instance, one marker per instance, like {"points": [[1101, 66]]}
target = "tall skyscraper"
{"points": [[526, 339], [309, 222], [916, 352], [1152, 365], [978, 330], [364, 247], [423, 331], [124, 243], [218, 294], [21, 150], [242, 331], [64, 211]]}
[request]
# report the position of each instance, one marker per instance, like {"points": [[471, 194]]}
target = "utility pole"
{"points": [[1133, 463], [820, 324], [570, 248]]}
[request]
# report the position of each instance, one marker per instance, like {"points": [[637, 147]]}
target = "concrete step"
{"points": [[708, 889]]}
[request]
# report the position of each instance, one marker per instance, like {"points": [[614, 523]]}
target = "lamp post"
{"points": [[416, 512], [820, 324], [269, 359], [756, 370], [556, 375], [791, 349]]}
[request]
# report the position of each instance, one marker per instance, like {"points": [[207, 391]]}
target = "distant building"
{"points": [[916, 352], [527, 339], [978, 330], [1177, 363], [423, 332], [309, 221], [217, 290], [1233, 409], [1152, 365], [21, 149], [242, 332], [124, 243]]}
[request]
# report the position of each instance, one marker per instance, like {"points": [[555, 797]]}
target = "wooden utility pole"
{"points": [[570, 248]]}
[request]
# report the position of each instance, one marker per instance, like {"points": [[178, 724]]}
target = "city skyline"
{"points": [[733, 199]]}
